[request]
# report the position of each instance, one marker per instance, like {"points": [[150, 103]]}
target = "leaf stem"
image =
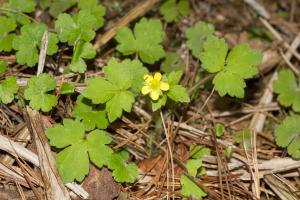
{"points": [[18, 13]]}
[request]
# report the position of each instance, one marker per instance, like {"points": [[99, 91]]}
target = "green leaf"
{"points": [[198, 151], [61, 136], [122, 172], [287, 134], [125, 74], [243, 138], [67, 159], [121, 101], [57, 6], [70, 135], [193, 165], [81, 50], [73, 29], [234, 85], [219, 129], [75, 155], [118, 74], [178, 93], [174, 77], [202, 171], [214, 55], [115, 91], [98, 151], [67, 88], [7, 25], [37, 90], [16, 7], [91, 115], [172, 63], [287, 89], [99, 90], [241, 64], [87, 4], [190, 188], [97, 10], [243, 60], [173, 11], [159, 103], [196, 36], [229, 151], [8, 88], [78, 149], [30, 39], [3, 67], [137, 72], [146, 40]]}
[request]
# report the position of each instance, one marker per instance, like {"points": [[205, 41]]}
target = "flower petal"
{"points": [[148, 78], [154, 94], [157, 76], [146, 90], [164, 86]]}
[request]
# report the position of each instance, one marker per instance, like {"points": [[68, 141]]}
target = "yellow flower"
{"points": [[154, 86]]}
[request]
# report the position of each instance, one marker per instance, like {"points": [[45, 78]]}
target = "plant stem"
{"points": [[170, 152]]}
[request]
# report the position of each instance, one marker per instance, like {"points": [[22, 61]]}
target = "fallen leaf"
{"points": [[100, 184]]}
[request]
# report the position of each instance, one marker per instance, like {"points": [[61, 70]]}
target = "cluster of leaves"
{"points": [[27, 43], [80, 148], [194, 168], [231, 68], [36, 91], [17, 9], [287, 133], [29, 40], [147, 45], [78, 30], [117, 93], [105, 99]]}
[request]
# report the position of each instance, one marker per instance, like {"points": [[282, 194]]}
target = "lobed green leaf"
{"points": [[145, 41], [197, 35], [92, 116], [122, 172], [29, 41], [8, 88], [287, 89], [37, 90]]}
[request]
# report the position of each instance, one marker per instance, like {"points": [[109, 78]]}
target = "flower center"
{"points": [[155, 84]]}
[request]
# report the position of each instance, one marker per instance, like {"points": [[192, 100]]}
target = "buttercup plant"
{"points": [[84, 135]]}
